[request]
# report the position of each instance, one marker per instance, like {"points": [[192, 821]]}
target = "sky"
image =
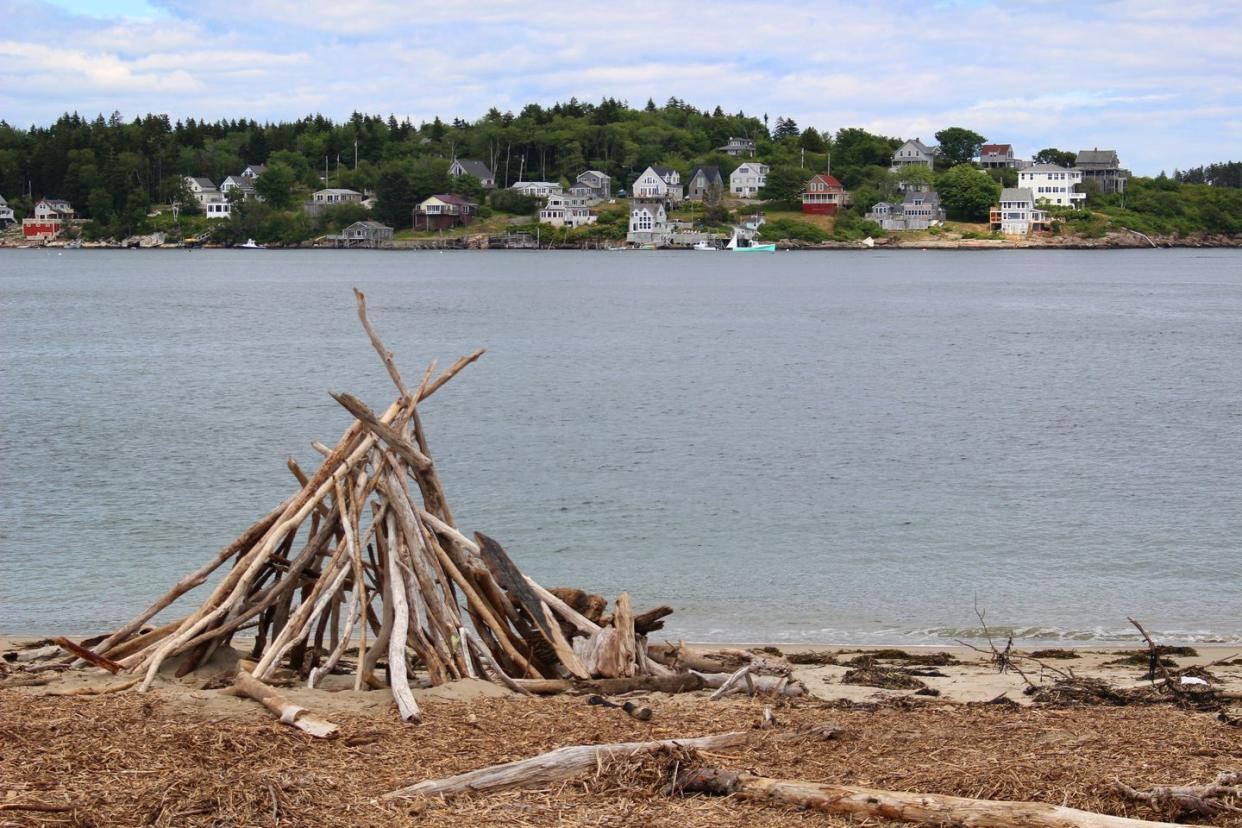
{"points": [[1160, 82]]}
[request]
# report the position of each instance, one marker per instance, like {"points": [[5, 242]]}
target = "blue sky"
{"points": [[1157, 81]]}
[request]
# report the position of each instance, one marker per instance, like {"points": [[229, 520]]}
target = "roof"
{"points": [[919, 145], [205, 183], [748, 142], [1043, 168], [476, 168], [257, 169], [995, 149], [1097, 156], [827, 179], [449, 198], [710, 172], [927, 196], [1017, 194], [337, 191], [596, 173], [370, 225], [663, 172]]}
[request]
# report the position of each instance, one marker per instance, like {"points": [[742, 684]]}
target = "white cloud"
{"points": [[1124, 73]]}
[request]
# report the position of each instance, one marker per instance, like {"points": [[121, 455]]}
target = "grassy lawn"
{"points": [[825, 223], [491, 226]]}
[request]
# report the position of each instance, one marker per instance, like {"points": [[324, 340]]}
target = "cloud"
{"points": [[1155, 81]]}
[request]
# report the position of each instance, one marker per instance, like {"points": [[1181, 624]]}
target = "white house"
{"points": [[467, 166], [1054, 184], [254, 171], [648, 222], [6, 213], [202, 189], [748, 179], [914, 152], [537, 189], [1017, 214], [566, 211], [54, 208], [659, 182], [336, 195], [599, 182], [738, 147]]}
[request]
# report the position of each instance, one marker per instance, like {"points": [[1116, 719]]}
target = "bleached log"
{"points": [[556, 765], [925, 809], [731, 682], [489, 662], [610, 652], [763, 685], [285, 710], [397, 679]]}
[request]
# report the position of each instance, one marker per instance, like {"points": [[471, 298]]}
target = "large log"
{"points": [[611, 652], [556, 765], [677, 683], [925, 809]]}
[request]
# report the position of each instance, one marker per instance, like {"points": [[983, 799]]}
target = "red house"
{"points": [[824, 194], [443, 211], [46, 229]]}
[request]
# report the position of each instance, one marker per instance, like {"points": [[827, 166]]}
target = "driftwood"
{"points": [[285, 710], [926, 809], [1200, 800], [556, 765], [366, 554], [679, 683]]}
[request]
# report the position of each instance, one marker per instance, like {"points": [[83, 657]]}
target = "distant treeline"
{"points": [[1228, 174]]}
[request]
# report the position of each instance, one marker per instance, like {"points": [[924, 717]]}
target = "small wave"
{"points": [[947, 635]]}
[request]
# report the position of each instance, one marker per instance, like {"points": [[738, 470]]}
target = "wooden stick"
{"points": [[285, 710], [400, 685], [86, 655], [732, 682], [393, 438], [377, 343], [556, 765], [489, 662], [926, 809]]}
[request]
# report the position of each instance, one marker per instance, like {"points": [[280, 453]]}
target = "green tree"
{"points": [[915, 176], [959, 145], [784, 184], [275, 185], [785, 128], [812, 141], [99, 206], [967, 192], [1052, 155], [394, 197]]}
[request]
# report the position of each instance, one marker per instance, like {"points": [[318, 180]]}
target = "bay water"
{"points": [[846, 447]]}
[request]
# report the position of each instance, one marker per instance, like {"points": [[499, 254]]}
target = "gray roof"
{"points": [[476, 168], [3, 203], [1045, 168], [370, 225], [205, 183], [1017, 194], [1097, 156], [663, 172], [710, 173], [927, 197], [602, 175], [920, 146]]}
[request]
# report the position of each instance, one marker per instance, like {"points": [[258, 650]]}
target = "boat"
{"points": [[250, 245], [750, 248], [704, 246]]}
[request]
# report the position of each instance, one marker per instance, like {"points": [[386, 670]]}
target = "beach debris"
{"points": [[1198, 800], [642, 714], [558, 764], [286, 711], [1185, 680], [889, 678], [929, 809], [357, 561]]}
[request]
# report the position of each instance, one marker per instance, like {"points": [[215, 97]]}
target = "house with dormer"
{"points": [[824, 194], [566, 210], [738, 147], [1053, 184], [443, 211], [1102, 169], [659, 183], [649, 224], [1017, 214], [202, 190], [998, 157]]}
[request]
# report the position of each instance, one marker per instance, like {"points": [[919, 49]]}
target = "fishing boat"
{"points": [[734, 246], [250, 245], [704, 246]]}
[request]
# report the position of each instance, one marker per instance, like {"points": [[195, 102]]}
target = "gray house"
{"points": [[914, 152], [599, 182], [466, 166], [363, 234], [738, 147], [917, 211], [705, 181], [1104, 168]]}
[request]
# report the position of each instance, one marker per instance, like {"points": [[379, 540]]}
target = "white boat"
{"points": [[250, 245], [704, 246], [751, 248]]}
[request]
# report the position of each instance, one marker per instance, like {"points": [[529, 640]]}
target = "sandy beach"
{"points": [[190, 753]]}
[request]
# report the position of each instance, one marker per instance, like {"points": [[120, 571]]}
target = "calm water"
{"points": [[843, 448]]}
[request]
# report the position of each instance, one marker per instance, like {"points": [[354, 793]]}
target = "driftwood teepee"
{"points": [[355, 565]]}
